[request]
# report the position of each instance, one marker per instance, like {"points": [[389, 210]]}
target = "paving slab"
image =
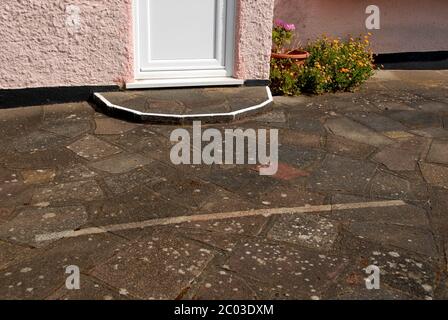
{"points": [[105, 126], [348, 148], [338, 173], [352, 130], [434, 174], [69, 129], [38, 176], [40, 277], [416, 119], [31, 222], [309, 231], [413, 275], [38, 141], [281, 271], [170, 265], [86, 190], [386, 185], [438, 153], [74, 172], [92, 148], [438, 133], [121, 163], [397, 159]]}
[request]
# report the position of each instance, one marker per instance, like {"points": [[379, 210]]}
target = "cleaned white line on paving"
{"points": [[216, 216]]}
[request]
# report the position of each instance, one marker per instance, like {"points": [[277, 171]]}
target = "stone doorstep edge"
{"points": [[119, 111]]}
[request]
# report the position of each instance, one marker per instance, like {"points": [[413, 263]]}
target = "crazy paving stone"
{"points": [[69, 129], [352, 130], [438, 133], [223, 285], [434, 174], [338, 173], [400, 269], [39, 140], [92, 148], [30, 222], [417, 240], [122, 163], [9, 253], [75, 172], [397, 159], [394, 187], [416, 119], [158, 266], [112, 126], [40, 277], [127, 181], [438, 153], [349, 148], [80, 190], [38, 176], [309, 231], [280, 271]]}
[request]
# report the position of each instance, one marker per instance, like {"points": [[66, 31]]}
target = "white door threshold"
{"points": [[190, 82]]}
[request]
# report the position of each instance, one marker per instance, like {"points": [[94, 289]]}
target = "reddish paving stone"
{"points": [[79, 190], [112, 126], [397, 159], [38, 176], [438, 153], [286, 172], [348, 148], [121, 163]]}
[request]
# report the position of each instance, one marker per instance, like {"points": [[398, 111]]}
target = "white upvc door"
{"points": [[178, 39]]}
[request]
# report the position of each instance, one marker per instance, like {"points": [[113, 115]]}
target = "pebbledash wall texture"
{"points": [[40, 49]]}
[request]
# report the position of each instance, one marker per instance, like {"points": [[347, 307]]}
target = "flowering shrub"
{"points": [[334, 65], [282, 35]]}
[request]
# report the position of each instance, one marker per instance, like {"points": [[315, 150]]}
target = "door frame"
{"points": [[229, 58]]}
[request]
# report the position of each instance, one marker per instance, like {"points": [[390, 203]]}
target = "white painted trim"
{"points": [[188, 82], [187, 116], [216, 217]]}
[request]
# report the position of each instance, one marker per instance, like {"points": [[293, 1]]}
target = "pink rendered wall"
{"points": [[406, 25], [39, 49]]}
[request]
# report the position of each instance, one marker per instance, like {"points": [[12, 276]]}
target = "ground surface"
{"points": [[66, 167]]}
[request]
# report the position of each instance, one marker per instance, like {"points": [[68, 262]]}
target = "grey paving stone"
{"points": [[137, 205], [416, 119], [417, 240], [348, 148], [31, 222], [299, 156], [377, 122], [394, 187], [45, 159], [438, 153], [106, 126], [121, 163], [438, 133], [80, 190], [397, 159], [10, 253], [338, 173], [309, 231], [90, 289], [38, 278], [92, 148], [127, 181], [402, 270], [433, 106], [38, 141], [69, 129], [351, 130], [280, 271], [158, 266], [223, 285], [75, 172], [68, 112], [299, 139], [434, 174]]}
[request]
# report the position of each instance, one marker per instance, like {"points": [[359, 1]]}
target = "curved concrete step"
{"points": [[179, 106]]}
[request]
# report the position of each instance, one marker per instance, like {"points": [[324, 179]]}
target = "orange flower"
{"points": [[345, 70]]}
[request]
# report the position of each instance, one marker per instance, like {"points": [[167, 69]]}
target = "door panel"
{"points": [[184, 38]]}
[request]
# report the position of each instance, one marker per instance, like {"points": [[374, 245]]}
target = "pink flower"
{"points": [[289, 27], [279, 23], [282, 24]]}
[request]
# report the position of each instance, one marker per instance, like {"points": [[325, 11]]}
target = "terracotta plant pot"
{"points": [[298, 56]]}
